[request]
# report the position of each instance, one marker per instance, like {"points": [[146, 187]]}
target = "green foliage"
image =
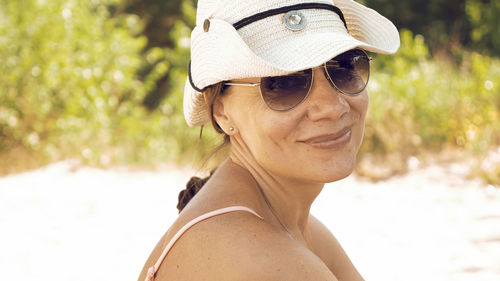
{"points": [[419, 102], [165, 25], [447, 24], [67, 74], [441, 21], [485, 21], [69, 87]]}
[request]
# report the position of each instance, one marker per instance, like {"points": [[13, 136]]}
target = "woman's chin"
{"points": [[331, 175], [339, 172], [338, 176]]}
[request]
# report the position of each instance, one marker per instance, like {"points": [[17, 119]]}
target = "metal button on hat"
{"points": [[295, 20]]}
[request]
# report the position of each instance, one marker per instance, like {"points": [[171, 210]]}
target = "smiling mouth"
{"points": [[332, 141]]}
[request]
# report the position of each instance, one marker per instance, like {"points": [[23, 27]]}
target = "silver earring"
{"points": [[231, 129]]}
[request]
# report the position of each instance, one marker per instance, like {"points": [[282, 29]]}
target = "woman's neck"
{"points": [[288, 199]]}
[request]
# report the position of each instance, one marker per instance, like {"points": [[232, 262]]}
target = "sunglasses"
{"points": [[347, 72]]}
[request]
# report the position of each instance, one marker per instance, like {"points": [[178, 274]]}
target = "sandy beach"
{"points": [[70, 223]]}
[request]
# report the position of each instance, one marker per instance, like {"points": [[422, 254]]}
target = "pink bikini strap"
{"points": [[152, 270]]}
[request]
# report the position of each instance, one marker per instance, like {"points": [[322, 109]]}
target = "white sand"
{"points": [[88, 224]]}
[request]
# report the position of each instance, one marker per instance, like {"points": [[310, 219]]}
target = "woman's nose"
{"points": [[324, 100]]}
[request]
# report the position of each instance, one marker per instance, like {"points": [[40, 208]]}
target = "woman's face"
{"points": [[317, 141]]}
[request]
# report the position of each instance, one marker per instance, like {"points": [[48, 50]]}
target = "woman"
{"points": [[284, 82]]}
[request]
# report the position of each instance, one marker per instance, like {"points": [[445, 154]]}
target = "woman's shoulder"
{"points": [[326, 246], [237, 246]]}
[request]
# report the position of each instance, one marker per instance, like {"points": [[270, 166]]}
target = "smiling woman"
{"points": [[285, 83]]}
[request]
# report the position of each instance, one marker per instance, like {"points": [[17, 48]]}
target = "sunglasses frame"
{"points": [[327, 75]]}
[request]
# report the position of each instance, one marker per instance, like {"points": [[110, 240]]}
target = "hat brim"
{"points": [[227, 56]]}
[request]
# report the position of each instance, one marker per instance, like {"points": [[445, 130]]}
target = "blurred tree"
{"points": [[72, 74], [447, 23], [441, 21], [484, 17], [163, 21], [67, 72]]}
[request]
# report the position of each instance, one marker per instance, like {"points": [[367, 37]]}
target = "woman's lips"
{"points": [[331, 141]]}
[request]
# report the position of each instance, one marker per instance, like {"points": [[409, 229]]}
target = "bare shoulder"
{"points": [[329, 250], [240, 246]]}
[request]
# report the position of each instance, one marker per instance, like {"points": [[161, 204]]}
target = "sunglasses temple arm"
{"points": [[243, 84]]}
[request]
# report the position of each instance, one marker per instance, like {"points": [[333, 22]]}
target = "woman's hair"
{"points": [[195, 183]]}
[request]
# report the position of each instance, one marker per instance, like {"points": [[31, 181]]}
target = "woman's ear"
{"points": [[205, 97], [221, 116]]}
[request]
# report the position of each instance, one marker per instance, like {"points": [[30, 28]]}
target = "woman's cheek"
{"points": [[365, 104]]}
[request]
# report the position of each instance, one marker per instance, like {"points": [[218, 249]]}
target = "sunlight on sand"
{"points": [[82, 224]]}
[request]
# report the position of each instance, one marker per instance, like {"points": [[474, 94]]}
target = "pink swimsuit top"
{"points": [[150, 276]]}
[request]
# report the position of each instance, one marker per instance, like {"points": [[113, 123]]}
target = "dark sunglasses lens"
{"points": [[283, 93], [349, 71]]}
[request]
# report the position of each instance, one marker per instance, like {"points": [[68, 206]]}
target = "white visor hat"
{"points": [[236, 39]]}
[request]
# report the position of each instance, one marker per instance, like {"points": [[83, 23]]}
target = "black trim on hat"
{"points": [[191, 80], [248, 20]]}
